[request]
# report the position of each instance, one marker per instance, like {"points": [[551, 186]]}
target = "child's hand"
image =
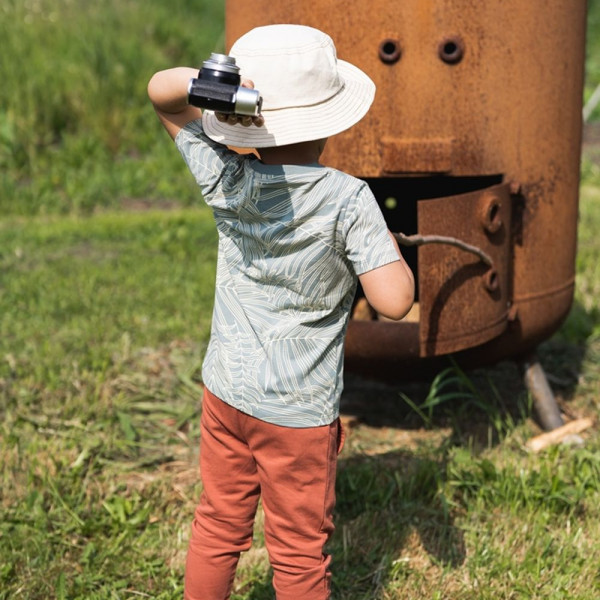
{"points": [[245, 120]]}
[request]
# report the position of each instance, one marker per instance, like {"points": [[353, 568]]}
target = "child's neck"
{"points": [[304, 153]]}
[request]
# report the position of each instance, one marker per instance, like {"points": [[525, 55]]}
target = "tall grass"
{"points": [[592, 67], [76, 128], [103, 321]]}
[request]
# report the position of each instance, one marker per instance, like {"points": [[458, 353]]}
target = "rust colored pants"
{"points": [[293, 471]]}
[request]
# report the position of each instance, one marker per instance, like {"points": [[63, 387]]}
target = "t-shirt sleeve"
{"points": [[214, 167], [368, 244]]}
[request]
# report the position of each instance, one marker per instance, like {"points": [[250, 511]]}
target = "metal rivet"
{"points": [[515, 188]]}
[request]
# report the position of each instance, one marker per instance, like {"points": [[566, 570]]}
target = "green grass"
{"points": [[76, 128], [104, 320], [592, 70], [92, 288], [106, 274]]}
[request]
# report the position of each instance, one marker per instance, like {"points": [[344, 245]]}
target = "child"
{"points": [[293, 238]]}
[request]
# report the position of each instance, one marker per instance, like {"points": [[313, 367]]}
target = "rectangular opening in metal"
{"points": [[398, 198]]}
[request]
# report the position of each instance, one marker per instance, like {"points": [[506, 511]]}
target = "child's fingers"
{"points": [[245, 120]]}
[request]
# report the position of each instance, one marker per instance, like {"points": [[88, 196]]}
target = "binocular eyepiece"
{"points": [[218, 88]]}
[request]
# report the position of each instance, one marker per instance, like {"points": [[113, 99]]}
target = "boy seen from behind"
{"points": [[294, 238]]}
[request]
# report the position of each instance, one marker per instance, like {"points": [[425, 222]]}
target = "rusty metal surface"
{"points": [[464, 90], [464, 302], [416, 156]]}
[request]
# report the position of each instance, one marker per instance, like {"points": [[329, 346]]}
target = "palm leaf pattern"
{"points": [[292, 240]]}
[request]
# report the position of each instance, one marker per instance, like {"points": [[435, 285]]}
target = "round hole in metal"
{"points": [[491, 280], [451, 50], [491, 218], [389, 51]]}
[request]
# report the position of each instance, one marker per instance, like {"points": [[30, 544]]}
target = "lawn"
{"points": [[107, 262]]}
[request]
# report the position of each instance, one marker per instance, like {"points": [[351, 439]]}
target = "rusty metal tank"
{"points": [[474, 136]]}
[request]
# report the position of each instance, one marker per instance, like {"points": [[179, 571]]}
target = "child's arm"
{"points": [[390, 289], [168, 92]]}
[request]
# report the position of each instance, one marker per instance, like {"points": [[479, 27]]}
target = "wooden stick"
{"points": [[539, 442], [420, 240]]}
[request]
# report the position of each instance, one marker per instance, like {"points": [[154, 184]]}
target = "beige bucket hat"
{"points": [[308, 93]]}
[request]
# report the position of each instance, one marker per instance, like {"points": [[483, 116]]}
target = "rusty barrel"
{"points": [[474, 135]]}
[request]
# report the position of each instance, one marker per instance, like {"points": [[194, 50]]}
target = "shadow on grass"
{"points": [[393, 515], [392, 518], [395, 521], [479, 405], [391, 511]]}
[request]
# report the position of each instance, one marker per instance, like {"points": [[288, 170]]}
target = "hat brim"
{"points": [[292, 125]]}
